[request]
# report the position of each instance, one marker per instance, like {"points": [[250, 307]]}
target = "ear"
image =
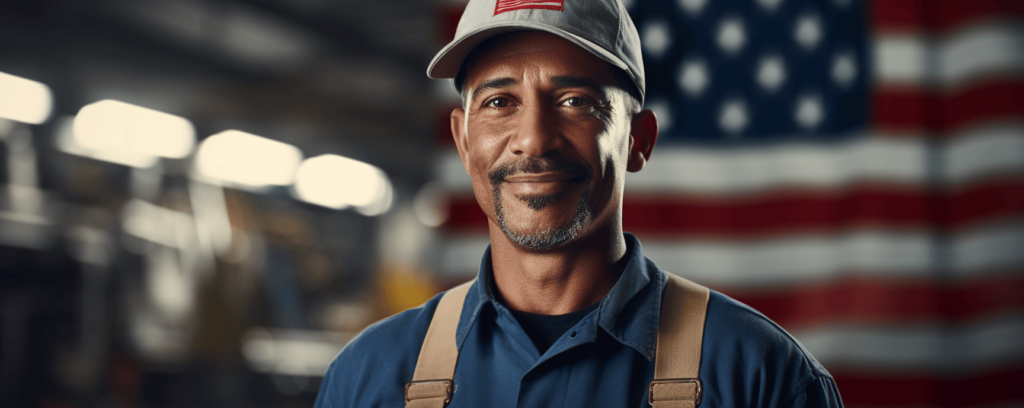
{"points": [[458, 118], [642, 136]]}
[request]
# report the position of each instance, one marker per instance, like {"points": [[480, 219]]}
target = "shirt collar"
{"points": [[628, 313]]}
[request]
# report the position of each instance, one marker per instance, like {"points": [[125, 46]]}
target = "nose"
{"points": [[536, 133]]}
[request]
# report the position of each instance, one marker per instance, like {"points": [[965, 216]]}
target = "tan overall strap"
{"points": [[680, 334], [432, 385]]}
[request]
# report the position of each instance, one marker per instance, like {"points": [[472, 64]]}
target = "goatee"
{"points": [[551, 237]]}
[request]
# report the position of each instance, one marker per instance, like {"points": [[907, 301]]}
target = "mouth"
{"points": [[546, 177], [535, 179], [546, 184]]}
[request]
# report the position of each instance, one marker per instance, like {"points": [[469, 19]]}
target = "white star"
{"points": [[656, 38], [663, 111], [769, 5], [733, 117], [844, 69], [808, 31], [693, 7], [731, 35], [810, 111], [771, 73], [693, 77]]}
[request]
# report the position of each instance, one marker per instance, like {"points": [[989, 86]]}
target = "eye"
{"points": [[497, 103], [575, 102]]}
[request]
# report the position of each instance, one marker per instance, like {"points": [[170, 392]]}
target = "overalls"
{"points": [[676, 368]]}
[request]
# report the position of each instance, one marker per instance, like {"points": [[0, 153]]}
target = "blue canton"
{"points": [[755, 71]]}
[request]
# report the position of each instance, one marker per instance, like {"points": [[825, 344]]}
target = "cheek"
{"points": [[606, 147], [488, 135], [608, 152], [615, 144], [485, 148]]}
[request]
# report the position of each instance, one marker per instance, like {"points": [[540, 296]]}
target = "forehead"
{"points": [[509, 55]]}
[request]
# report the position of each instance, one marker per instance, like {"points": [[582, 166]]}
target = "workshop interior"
{"points": [[203, 201]]}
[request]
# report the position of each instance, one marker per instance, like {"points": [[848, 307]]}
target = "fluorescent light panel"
{"points": [[24, 100], [339, 182], [65, 141], [121, 128], [237, 157]]}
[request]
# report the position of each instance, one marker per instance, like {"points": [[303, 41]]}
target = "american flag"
{"points": [[502, 6], [853, 169]]}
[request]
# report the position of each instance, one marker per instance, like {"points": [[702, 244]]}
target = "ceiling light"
{"points": [[339, 182], [248, 160], [118, 127], [24, 100]]}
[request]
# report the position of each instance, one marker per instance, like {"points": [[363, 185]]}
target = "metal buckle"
{"points": [[700, 392], [448, 391]]}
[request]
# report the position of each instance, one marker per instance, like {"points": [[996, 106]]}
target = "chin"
{"points": [[544, 239], [524, 227]]}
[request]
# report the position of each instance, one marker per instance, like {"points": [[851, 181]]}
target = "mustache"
{"points": [[536, 165]]}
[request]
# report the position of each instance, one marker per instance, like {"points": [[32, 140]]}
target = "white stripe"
{"points": [[983, 152], [813, 258], [912, 160], [710, 170], [924, 348], [952, 60]]}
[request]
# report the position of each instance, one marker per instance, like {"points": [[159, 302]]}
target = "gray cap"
{"points": [[602, 27]]}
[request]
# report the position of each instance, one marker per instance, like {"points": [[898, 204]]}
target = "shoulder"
{"points": [[374, 367], [750, 355]]}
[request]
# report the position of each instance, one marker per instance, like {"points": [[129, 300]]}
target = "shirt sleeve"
{"points": [[324, 398], [822, 392], [373, 368]]}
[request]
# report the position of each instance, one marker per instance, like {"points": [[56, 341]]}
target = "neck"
{"points": [[561, 280]]}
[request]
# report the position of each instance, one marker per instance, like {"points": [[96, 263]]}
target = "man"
{"points": [[566, 310]]}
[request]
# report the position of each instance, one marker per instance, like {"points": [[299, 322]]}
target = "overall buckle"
{"points": [[698, 392], [449, 389]]}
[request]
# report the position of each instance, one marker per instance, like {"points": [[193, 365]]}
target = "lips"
{"points": [[539, 171], [547, 177], [532, 185]]}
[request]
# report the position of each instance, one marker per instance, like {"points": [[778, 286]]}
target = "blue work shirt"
{"points": [[606, 360]]}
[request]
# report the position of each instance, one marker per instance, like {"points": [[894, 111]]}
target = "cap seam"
{"points": [[618, 32]]}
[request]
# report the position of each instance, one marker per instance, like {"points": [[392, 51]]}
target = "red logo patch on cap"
{"points": [[502, 6]]}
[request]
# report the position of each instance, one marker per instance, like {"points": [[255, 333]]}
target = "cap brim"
{"points": [[448, 61]]}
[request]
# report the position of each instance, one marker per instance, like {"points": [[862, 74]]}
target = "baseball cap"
{"points": [[602, 27]]}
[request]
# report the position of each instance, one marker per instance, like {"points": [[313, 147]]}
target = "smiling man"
{"points": [[566, 311]]}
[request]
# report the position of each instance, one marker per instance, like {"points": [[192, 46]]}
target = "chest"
{"points": [[500, 367]]}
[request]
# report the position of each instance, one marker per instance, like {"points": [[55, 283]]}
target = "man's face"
{"points": [[545, 136]]}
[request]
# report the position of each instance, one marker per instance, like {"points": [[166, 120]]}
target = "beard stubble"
{"points": [[550, 237]]}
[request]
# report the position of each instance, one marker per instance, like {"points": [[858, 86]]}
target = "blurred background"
{"points": [[201, 201]]}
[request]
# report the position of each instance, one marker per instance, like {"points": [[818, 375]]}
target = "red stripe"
{"points": [[945, 15], [881, 390], [886, 301], [914, 110], [796, 210]]}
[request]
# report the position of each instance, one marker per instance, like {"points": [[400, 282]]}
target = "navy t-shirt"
{"points": [[604, 360], [545, 330]]}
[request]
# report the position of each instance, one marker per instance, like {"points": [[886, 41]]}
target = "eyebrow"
{"points": [[492, 84], [579, 82], [561, 81]]}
